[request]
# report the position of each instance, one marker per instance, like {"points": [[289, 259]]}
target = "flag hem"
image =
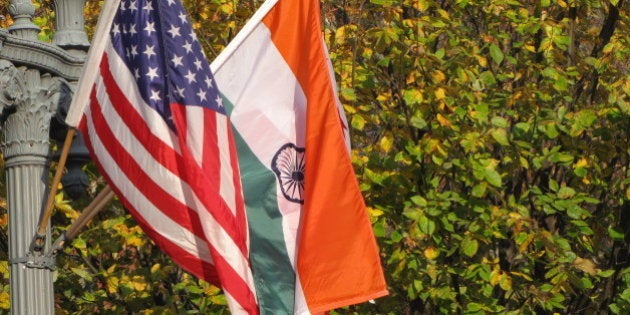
{"points": [[348, 301]]}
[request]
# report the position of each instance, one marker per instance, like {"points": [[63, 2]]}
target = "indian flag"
{"points": [[312, 248]]}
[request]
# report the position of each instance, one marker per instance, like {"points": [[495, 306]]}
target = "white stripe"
{"points": [[173, 185], [227, 189], [195, 132], [242, 35], [160, 222]]}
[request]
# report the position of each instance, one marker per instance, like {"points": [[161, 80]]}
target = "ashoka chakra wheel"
{"points": [[288, 164]]}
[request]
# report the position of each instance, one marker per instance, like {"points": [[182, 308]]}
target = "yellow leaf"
{"points": [[438, 76], [4, 301], [522, 275], [443, 121], [138, 283], [375, 213], [495, 276], [586, 265], [422, 5], [440, 93], [386, 144], [582, 162], [482, 61], [133, 241], [155, 268], [112, 284], [431, 253], [505, 282], [212, 290], [228, 8]]}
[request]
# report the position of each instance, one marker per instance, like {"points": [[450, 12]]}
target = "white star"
{"points": [[177, 60], [193, 35], [198, 63], [152, 74], [202, 95], [191, 77], [155, 95], [188, 47], [132, 29], [136, 73], [219, 101], [150, 28], [116, 29], [182, 17], [208, 81], [150, 51], [171, 2], [134, 50], [174, 31], [132, 6], [180, 91], [148, 6]]}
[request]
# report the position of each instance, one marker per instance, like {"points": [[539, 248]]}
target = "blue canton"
{"points": [[157, 43]]}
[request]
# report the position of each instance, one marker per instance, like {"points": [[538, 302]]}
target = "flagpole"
{"points": [[97, 204], [38, 242], [242, 35]]}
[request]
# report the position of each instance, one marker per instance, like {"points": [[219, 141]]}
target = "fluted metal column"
{"points": [[30, 97], [25, 148]]}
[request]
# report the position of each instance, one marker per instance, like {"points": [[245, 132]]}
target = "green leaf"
{"points": [[83, 273], [418, 122], [493, 177], [500, 136], [412, 96], [348, 94], [615, 234], [566, 192], [606, 273], [419, 201], [500, 122], [496, 54], [479, 190], [426, 225], [358, 122], [469, 246], [553, 185]]}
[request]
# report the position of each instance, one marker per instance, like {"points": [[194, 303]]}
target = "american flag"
{"points": [[157, 128]]}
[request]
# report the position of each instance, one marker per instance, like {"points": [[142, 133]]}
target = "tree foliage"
{"points": [[491, 144]]}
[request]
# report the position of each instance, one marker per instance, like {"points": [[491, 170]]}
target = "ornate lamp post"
{"points": [[35, 77]]}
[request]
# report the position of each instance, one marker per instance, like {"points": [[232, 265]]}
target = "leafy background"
{"points": [[490, 139]]}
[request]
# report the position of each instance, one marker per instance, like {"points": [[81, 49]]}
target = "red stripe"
{"points": [[232, 282], [241, 217]]}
